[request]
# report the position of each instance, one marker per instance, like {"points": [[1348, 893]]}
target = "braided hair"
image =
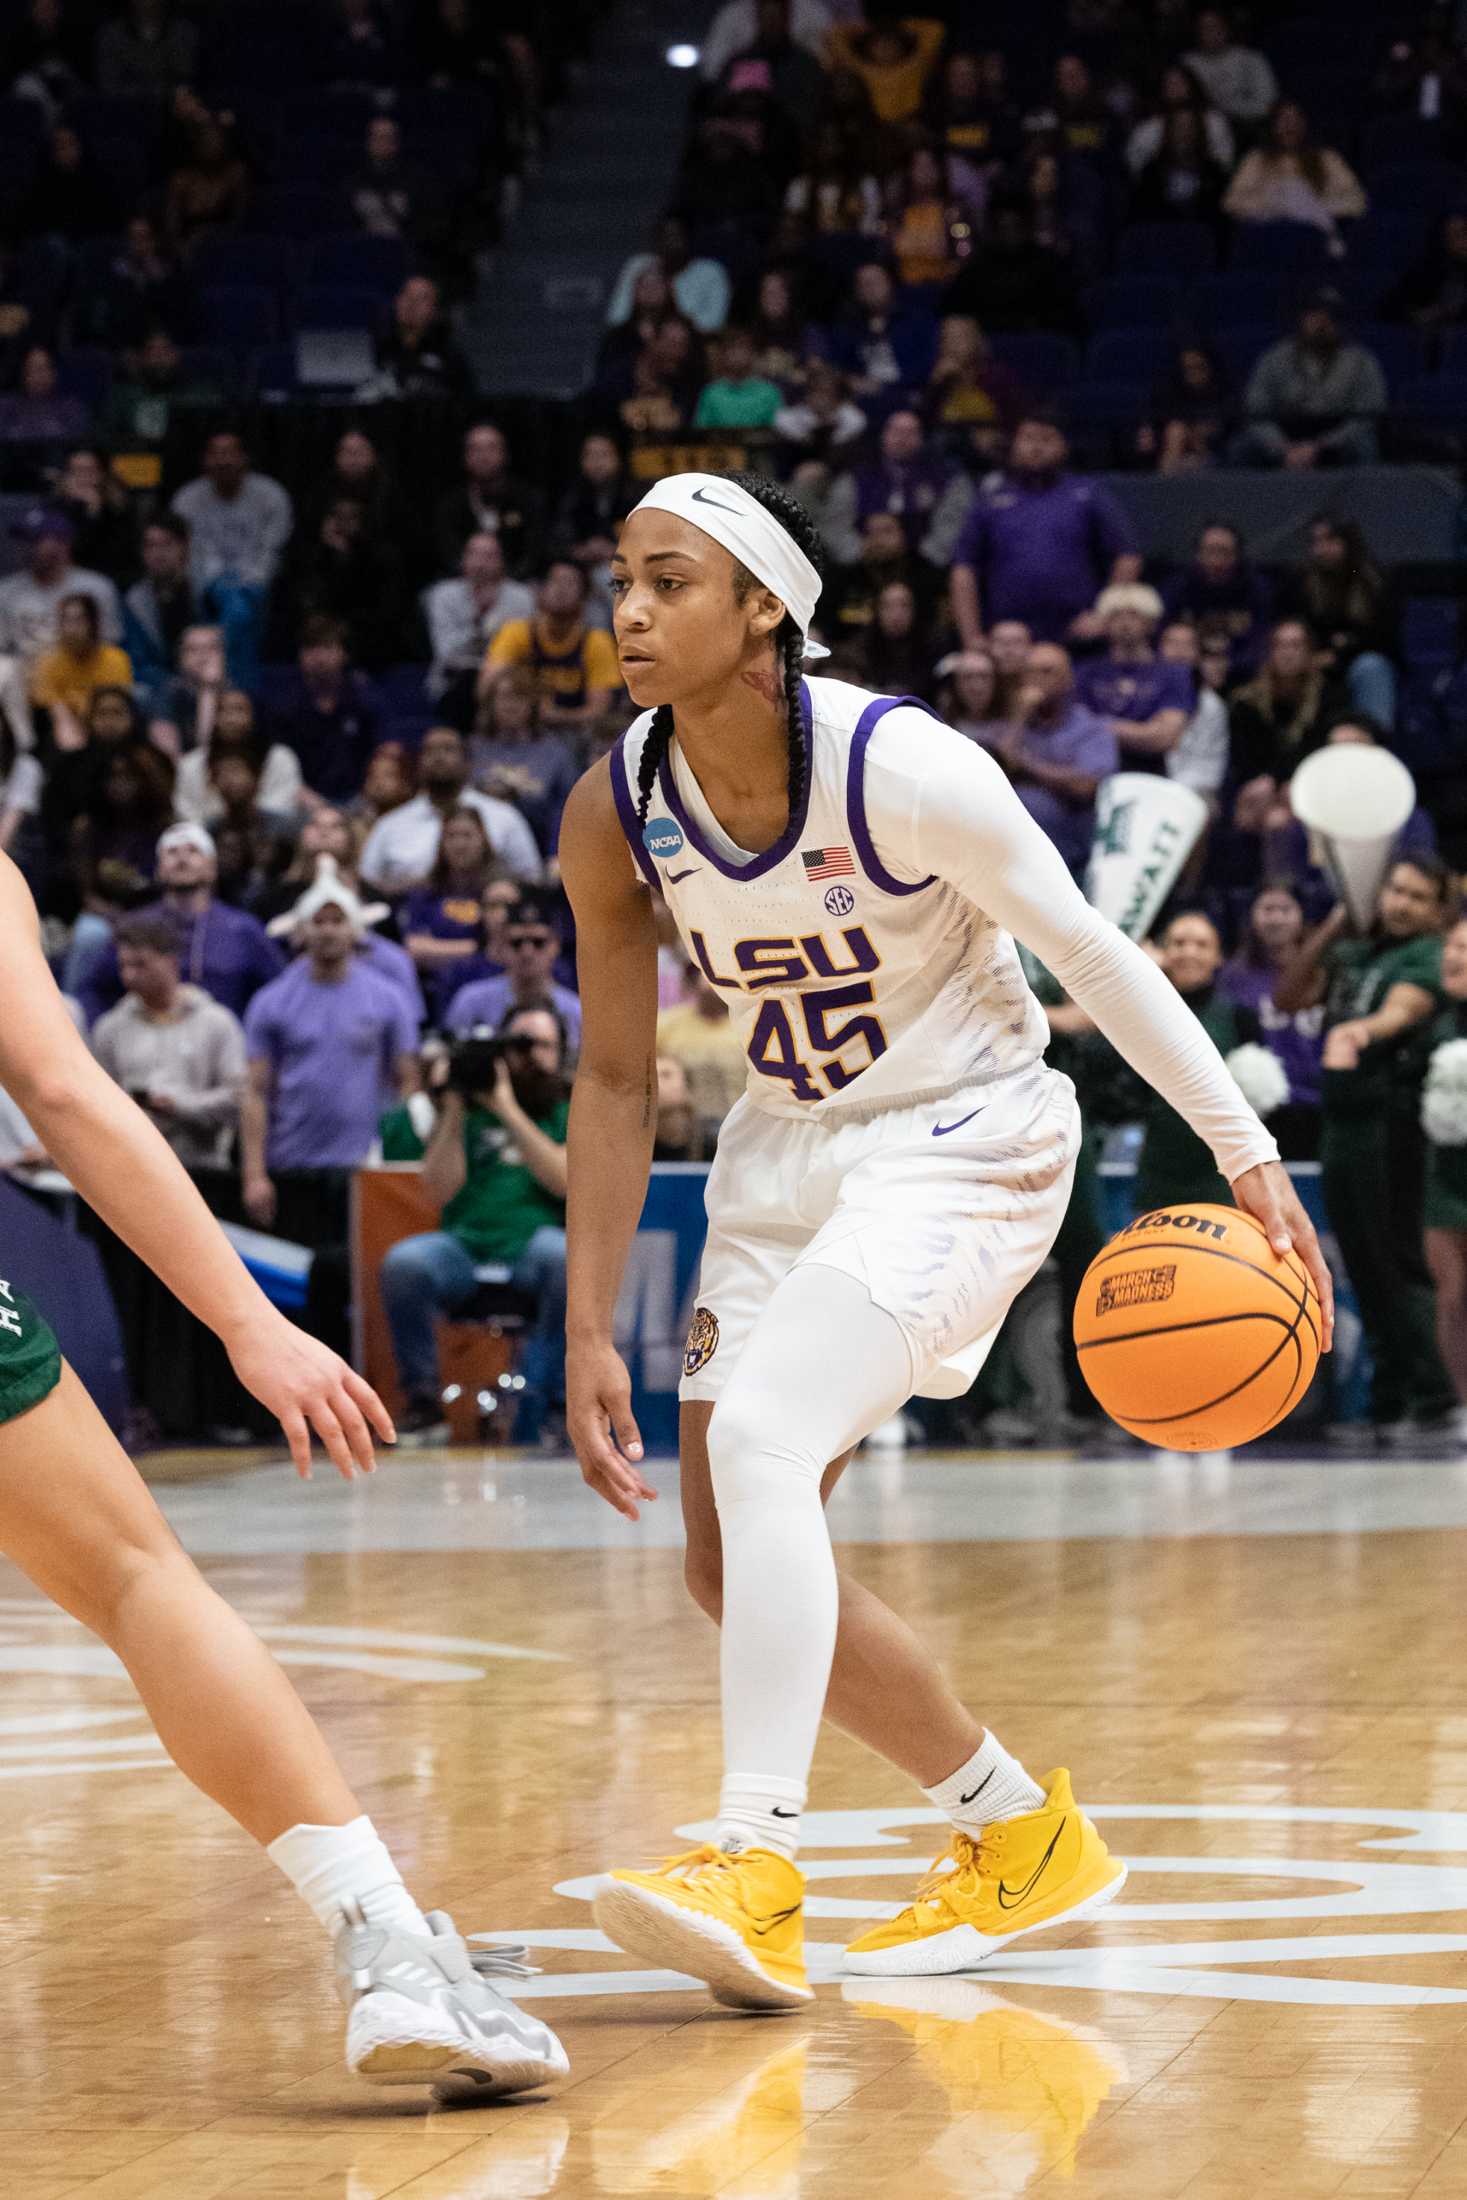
{"points": [[789, 647]]}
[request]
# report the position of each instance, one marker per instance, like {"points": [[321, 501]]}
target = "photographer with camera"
{"points": [[494, 1162]]}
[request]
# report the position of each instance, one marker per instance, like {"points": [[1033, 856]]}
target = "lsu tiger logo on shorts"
{"points": [[702, 1340]]}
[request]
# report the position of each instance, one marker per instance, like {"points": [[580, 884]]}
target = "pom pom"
{"points": [[1260, 1076], [1444, 1095]]}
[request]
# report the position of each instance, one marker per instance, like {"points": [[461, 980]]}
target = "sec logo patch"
{"points": [[702, 1340], [840, 901]]}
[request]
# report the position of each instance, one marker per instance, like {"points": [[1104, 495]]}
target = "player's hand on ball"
{"points": [[1267, 1193], [308, 1386], [598, 1394]]}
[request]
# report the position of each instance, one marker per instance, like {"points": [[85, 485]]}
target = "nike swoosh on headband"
{"points": [[701, 496], [940, 1130]]}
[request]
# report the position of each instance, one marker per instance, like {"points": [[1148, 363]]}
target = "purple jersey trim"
{"points": [[626, 810], [757, 865], [870, 862]]}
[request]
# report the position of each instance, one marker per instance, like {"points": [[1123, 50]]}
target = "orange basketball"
{"points": [[1191, 1331]]}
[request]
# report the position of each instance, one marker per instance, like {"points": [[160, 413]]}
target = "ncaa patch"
{"points": [[662, 838], [702, 1340]]}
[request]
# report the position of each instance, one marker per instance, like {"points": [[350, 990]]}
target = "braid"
{"points": [[654, 748], [792, 649], [789, 645]]}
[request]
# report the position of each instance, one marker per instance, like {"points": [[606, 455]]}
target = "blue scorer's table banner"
{"points": [[659, 1291]]}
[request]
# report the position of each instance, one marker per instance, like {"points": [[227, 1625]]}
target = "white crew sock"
{"points": [[821, 1368], [759, 1813], [990, 1786], [330, 1865]]}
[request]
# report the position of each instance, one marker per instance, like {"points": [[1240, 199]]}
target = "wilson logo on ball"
{"points": [[1202, 1224]]}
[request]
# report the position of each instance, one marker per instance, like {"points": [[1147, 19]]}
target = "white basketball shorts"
{"points": [[943, 1210]]}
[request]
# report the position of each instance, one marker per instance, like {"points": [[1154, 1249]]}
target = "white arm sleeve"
{"points": [[950, 811]]}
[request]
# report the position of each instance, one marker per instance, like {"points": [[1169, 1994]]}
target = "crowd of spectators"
{"points": [[1220, 236], [285, 738]]}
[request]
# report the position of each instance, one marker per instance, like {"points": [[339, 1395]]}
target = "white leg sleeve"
{"points": [[822, 1368]]}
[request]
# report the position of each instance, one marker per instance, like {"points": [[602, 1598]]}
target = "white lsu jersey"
{"points": [[849, 984]]}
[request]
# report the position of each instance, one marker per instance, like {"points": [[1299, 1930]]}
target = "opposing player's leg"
{"points": [[889, 1691], [78, 1521]]}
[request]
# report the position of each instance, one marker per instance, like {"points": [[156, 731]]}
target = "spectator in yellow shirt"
{"points": [[574, 666], [893, 60], [698, 1034], [81, 662]]}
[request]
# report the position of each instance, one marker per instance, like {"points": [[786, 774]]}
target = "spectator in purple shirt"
{"points": [[1145, 701], [330, 719], [1220, 592], [1040, 544], [1057, 753], [531, 946], [224, 950], [911, 481], [331, 1043], [880, 345]]}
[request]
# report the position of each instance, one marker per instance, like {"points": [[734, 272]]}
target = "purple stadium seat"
{"points": [[1178, 249], [229, 261], [1132, 301], [241, 315], [1128, 355], [86, 373], [1241, 348], [1405, 185], [1399, 137], [364, 263], [300, 214], [1429, 624], [1286, 247], [1401, 351], [337, 305], [1041, 361], [1241, 301]]}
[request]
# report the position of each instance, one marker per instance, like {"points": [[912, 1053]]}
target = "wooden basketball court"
{"points": [[1257, 1672]]}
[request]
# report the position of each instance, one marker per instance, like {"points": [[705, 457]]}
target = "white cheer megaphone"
{"points": [[1145, 829], [1354, 801]]}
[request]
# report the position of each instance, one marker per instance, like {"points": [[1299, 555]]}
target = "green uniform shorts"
{"points": [[30, 1358]]}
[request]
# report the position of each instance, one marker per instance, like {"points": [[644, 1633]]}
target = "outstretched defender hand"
{"points": [[1267, 1193], [308, 1386], [598, 1413]]}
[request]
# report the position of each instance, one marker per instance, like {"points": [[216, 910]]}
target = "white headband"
{"points": [[732, 517]]}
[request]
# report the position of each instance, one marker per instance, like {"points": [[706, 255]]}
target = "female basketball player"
{"points": [[848, 872], [76, 1518]]}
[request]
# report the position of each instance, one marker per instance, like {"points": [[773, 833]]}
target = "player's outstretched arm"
{"points": [[124, 1168], [613, 1122], [964, 822]]}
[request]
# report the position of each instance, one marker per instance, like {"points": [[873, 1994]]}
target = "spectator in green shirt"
{"points": [[495, 1164], [1380, 994], [739, 398]]}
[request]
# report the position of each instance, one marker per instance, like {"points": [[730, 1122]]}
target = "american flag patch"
{"points": [[827, 863]]}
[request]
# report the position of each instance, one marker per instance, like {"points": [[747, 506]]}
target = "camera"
{"points": [[474, 1059]]}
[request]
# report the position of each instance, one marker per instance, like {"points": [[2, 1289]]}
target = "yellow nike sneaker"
{"points": [[736, 1922], [1049, 1867]]}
